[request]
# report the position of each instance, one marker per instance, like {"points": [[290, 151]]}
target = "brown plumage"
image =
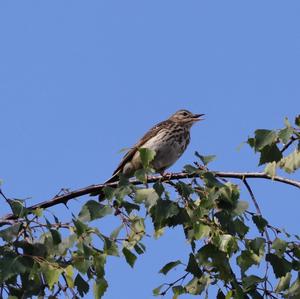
{"points": [[168, 139]]}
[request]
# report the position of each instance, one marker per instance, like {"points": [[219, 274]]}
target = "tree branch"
{"points": [[252, 196], [63, 199], [286, 146]]}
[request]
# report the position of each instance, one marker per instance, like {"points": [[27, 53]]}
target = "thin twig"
{"points": [[173, 283], [64, 289], [67, 284], [57, 292], [286, 146], [258, 210], [252, 197], [6, 199]]}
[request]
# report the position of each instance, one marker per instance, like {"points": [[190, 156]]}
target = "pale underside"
{"points": [[168, 151]]}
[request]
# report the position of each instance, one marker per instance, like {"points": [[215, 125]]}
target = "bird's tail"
{"points": [[112, 179]]}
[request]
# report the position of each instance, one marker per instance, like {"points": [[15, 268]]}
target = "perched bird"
{"points": [[168, 139]]}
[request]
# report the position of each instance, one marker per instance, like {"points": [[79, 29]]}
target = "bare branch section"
{"points": [[63, 199]]}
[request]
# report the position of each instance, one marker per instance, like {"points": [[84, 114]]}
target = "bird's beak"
{"points": [[197, 117]]}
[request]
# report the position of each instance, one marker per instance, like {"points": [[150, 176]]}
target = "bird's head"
{"points": [[186, 117]]}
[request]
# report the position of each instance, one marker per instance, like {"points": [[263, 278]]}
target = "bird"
{"points": [[169, 139]]}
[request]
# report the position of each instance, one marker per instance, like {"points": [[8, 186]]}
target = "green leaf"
{"points": [[251, 281], [255, 294], [196, 286], [241, 207], [178, 290], [55, 236], [159, 232], [80, 227], [140, 248], [285, 134], [99, 263], [229, 295], [220, 294], [296, 251], [246, 260], [211, 181], [257, 245], [81, 285], [251, 142], [38, 212], [129, 207], [163, 210], [166, 268], [270, 169], [18, 208], [210, 255], [190, 169], [10, 233], [264, 138], [51, 274], [137, 231], [147, 196], [294, 290], [11, 265], [279, 246], [270, 153], [93, 210], [147, 155], [141, 175], [287, 122], [110, 247], [66, 244], [228, 196], [193, 266], [200, 230], [280, 265], [129, 256], [291, 162], [88, 250], [159, 188], [108, 193], [100, 287], [227, 243], [156, 291], [122, 191], [240, 228], [80, 262], [284, 282], [205, 159], [260, 222], [238, 291], [184, 189], [297, 120], [115, 233], [69, 271]]}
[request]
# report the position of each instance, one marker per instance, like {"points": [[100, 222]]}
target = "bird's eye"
{"points": [[184, 114]]}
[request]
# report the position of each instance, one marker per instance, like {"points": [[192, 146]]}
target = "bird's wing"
{"points": [[152, 132]]}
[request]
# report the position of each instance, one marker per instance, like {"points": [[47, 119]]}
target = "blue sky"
{"points": [[81, 80]]}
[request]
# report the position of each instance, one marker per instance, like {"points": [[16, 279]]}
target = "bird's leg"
{"points": [[165, 176]]}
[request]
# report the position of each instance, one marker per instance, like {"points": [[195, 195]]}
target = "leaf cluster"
{"points": [[272, 145], [41, 256]]}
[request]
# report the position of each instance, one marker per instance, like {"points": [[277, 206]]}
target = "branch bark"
{"points": [[63, 199]]}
